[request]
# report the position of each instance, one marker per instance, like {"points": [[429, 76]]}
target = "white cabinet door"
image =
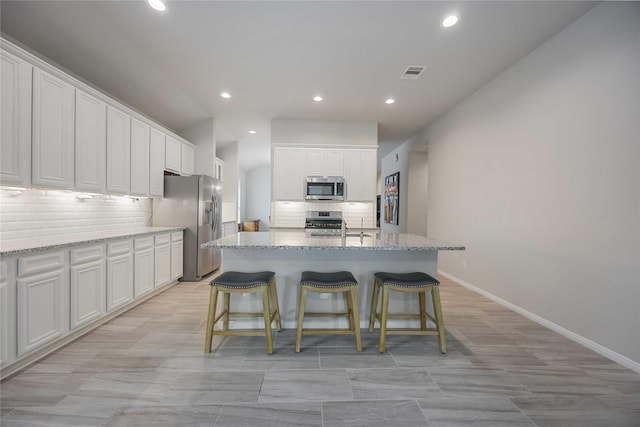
{"points": [[88, 285], [43, 300], [325, 161], [91, 143], [118, 151], [360, 174], [7, 311], [188, 160], [315, 161], [176, 255], [143, 266], [173, 155], [289, 173], [218, 168], [52, 137], [352, 174], [334, 162], [162, 265], [140, 158], [156, 163], [119, 274], [369, 168], [15, 116]]}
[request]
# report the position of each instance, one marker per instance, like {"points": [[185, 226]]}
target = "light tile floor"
{"points": [[147, 368]]}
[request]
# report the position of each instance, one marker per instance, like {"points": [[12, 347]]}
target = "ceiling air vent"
{"points": [[413, 72]]}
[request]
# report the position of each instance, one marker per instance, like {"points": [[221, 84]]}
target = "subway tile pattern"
{"points": [[293, 214], [33, 213], [147, 368]]}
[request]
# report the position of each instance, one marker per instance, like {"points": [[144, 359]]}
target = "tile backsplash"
{"points": [[36, 213], [292, 214]]}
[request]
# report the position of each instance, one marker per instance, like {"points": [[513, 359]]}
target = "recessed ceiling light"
{"points": [[157, 5], [225, 95], [390, 101], [450, 20], [252, 132], [317, 98]]}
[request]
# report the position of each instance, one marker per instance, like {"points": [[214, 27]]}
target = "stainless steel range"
{"points": [[323, 223]]}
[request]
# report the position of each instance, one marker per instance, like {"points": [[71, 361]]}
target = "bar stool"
{"points": [[341, 281], [231, 282], [418, 283]]}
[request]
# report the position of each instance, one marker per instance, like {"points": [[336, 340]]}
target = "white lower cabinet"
{"points": [[88, 290], [162, 251], [43, 300], [50, 295], [176, 255], [119, 274], [7, 311], [143, 266]]}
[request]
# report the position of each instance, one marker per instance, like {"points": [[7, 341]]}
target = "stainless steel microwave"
{"points": [[324, 188]]}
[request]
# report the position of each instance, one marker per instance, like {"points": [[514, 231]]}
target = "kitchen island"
{"points": [[288, 253]]}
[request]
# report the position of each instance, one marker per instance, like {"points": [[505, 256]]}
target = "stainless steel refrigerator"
{"points": [[193, 202]]}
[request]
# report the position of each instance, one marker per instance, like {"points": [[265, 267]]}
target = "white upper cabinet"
{"points": [[91, 143], [156, 163], [118, 151], [289, 167], [15, 141], [360, 174], [140, 158], [218, 168], [334, 162], [53, 125], [188, 160], [325, 161], [173, 155]]}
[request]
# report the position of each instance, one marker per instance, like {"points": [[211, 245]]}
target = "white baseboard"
{"points": [[610, 354]]}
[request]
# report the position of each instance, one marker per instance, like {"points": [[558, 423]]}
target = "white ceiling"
{"points": [[273, 57]]}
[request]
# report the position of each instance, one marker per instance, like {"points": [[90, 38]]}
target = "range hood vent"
{"points": [[413, 72]]}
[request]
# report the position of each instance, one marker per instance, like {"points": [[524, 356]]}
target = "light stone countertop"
{"points": [[23, 246], [300, 240]]}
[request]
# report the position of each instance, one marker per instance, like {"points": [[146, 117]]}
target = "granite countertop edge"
{"points": [[27, 246]]}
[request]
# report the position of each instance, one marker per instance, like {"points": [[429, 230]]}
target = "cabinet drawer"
{"points": [[119, 248], [143, 243], [176, 236], [163, 239], [88, 254], [40, 263]]}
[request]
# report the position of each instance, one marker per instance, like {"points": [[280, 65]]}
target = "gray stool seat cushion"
{"points": [[338, 279], [407, 280], [240, 280]]}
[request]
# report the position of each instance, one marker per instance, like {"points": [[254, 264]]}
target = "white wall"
{"points": [[229, 154], [202, 135], [39, 213], [304, 132], [538, 174], [258, 195]]}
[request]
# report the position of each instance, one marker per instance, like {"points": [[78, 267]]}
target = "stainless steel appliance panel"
{"points": [[192, 202]]}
